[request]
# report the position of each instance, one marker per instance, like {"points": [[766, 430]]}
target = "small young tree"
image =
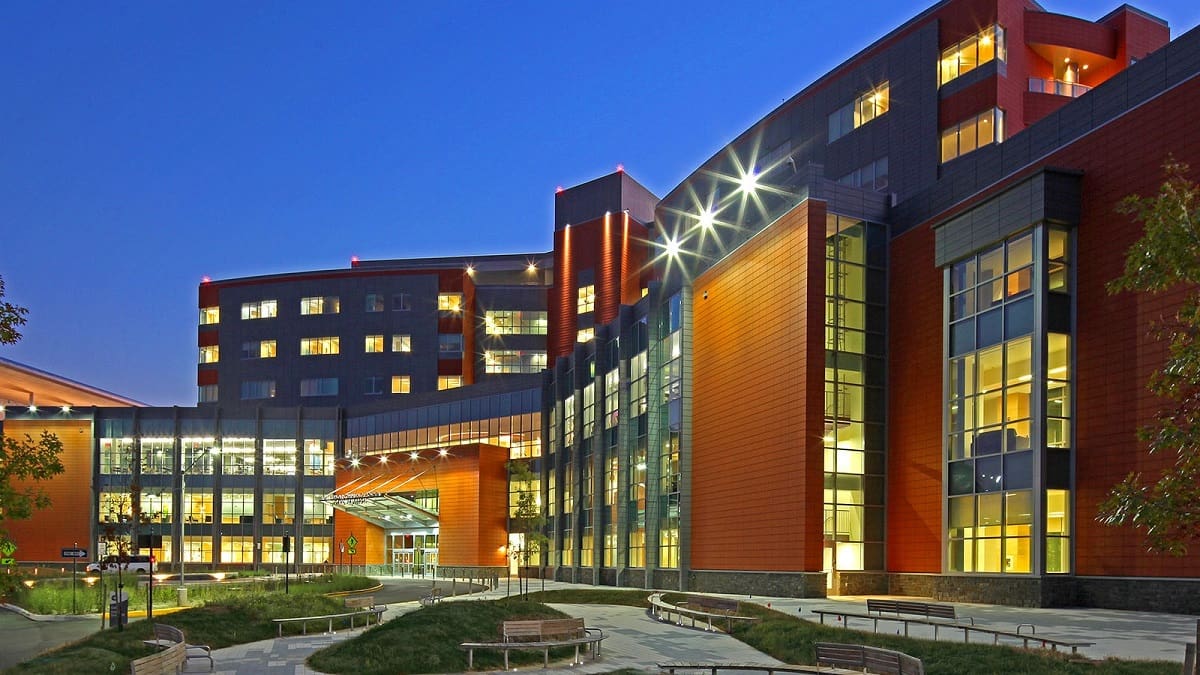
{"points": [[24, 463], [528, 519], [1167, 507]]}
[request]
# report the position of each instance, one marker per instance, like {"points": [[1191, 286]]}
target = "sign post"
{"points": [[7, 549], [287, 549], [351, 548], [74, 554]]}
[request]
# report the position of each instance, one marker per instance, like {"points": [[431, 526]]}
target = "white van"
{"points": [[141, 564]]}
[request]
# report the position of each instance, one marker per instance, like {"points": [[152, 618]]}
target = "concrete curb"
{"points": [[47, 617]]}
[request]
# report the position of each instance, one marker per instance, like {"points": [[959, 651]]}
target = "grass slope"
{"points": [[221, 623], [426, 641], [791, 640]]}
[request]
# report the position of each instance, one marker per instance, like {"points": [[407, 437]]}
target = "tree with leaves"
{"points": [[527, 518], [24, 462], [1166, 507]]}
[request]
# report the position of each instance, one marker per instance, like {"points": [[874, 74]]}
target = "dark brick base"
{"points": [[1176, 596]]}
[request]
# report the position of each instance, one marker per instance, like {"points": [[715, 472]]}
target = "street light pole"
{"points": [[181, 517]]}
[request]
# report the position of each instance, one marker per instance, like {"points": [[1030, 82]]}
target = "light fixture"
{"points": [[354, 462], [706, 219], [470, 269], [1066, 59], [383, 459], [1085, 66], [414, 455], [558, 190], [532, 267], [672, 248], [748, 182], [620, 168], [32, 408], [443, 452]]}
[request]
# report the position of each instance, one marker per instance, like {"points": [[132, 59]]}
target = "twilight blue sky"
{"points": [[144, 145]]}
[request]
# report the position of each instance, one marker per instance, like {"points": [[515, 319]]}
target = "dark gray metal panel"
{"points": [[1052, 195], [1075, 120], [1150, 77], [1014, 153], [1043, 136], [1111, 99], [608, 194], [1183, 57]]}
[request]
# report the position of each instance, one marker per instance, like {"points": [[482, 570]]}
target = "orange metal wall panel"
{"points": [[370, 540], [68, 519], [914, 506], [757, 421]]}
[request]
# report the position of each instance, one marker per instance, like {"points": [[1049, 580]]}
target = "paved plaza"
{"points": [[636, 641]]}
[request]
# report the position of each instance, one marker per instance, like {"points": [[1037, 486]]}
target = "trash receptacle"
{"points": [[182, 593]]}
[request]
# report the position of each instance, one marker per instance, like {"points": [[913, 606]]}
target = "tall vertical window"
{"points": [[995, 435], [329, 304], [670, 472], [973, 133], [210, 354], [320, 346], [969, 54], [853, 484], [585, 299], [262, 309], [210, 315]]}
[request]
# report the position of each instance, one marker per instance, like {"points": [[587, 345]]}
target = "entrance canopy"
{"points": [[387, 500]]}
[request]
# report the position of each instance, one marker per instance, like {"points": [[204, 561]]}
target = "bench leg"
{"points": [[546, 657], [577, 661], [470, 659]]}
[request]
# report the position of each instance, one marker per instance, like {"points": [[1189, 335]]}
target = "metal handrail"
{"points": [[377, 610], [1039, 85]]}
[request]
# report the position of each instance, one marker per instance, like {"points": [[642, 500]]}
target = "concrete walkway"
{"points": [[637, 642]]}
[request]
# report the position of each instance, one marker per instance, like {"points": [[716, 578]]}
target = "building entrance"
{"points": [[413, 554]]}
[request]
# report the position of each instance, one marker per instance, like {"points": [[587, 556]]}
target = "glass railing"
{"points": [[1057, 87]]}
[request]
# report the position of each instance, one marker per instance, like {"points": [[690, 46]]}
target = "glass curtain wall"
{"points": [[1009, 405], [671, 422], [855, 261]]}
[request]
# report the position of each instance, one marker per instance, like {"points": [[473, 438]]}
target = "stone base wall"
{"points": [[783, 584], [1175, 596], [665, 579], [860, 583]]}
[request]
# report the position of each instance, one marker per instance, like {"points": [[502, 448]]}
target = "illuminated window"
{"points": [[319, 386], [401, 384], [374, 302], [207, 393], [210, 354], [237, 507], [374, 344], [962, 58], [585, 335], [402, 343], [329, 304], [210, 315], [514, 361], [320, 346], [513, 322], [263, 309], [449, 382], [586, 300], [450, 302], [262, 349], [972, 134], [857, 113], [258, 389]]}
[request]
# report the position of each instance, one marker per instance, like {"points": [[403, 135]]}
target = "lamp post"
{"points": [[182, 517]]}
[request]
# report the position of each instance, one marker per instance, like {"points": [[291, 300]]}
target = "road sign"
{"points": [[351, 545], [74, 553], [7, 549], [8, 561]]}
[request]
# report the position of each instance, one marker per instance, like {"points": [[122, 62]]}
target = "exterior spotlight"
{"points": [[1066, 59], [748, 182], [706, 219], [414, 455], [673, 248], [66, 409], [620, 168], [32, 408], [532, 267], [205, 279], [383, 459], [470, 270], [443, 452], [1, 408], [354, 462]]}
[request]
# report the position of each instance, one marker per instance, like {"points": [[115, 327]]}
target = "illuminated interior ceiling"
{"points": [[22, 385], [385, 500]]}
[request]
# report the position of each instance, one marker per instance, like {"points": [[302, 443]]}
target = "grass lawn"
{"points": [[220, 623]]}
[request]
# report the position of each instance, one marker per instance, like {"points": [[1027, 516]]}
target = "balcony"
{"points": [[1039, 85]]}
